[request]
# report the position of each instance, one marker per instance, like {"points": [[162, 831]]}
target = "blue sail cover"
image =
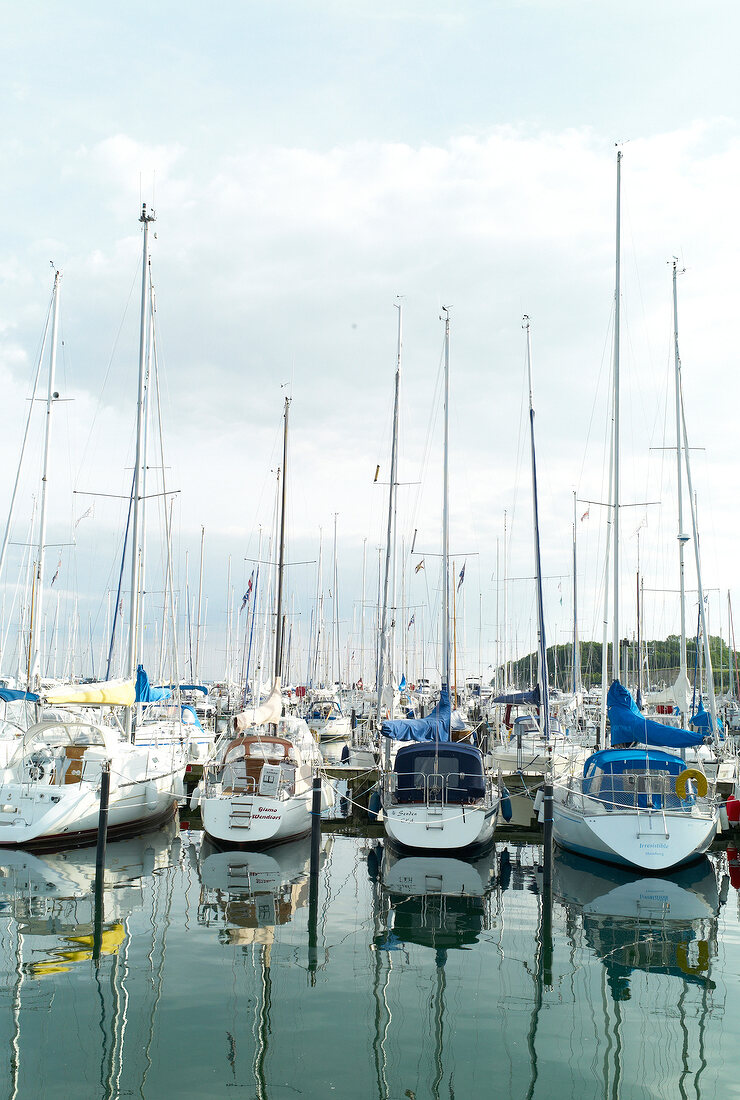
{"points": [[435, 727], [521, 698], [145, 693], [11, 695], [627, 724], [702, 720]]}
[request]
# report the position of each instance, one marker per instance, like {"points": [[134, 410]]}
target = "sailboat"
{"points": [[437, 795], [257, 786], [635, 804], [50, 788]]}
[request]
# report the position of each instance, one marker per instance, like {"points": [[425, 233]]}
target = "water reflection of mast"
{"points": [[543, 977], [264, 1028], [15, 1042], [439, 1008], [382, 1015]]}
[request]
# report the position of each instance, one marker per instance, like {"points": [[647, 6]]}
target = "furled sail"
{"points": [[114, 693], [628, 725], [677, 694], [435, 727], [268, 712]]}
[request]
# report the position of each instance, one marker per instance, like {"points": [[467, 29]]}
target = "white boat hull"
{"points": [[648, 841], [441, 828], [256, 820]]}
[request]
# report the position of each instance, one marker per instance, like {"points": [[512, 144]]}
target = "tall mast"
{"points": [[35, 667], [335, 587], [281, 552], [384, 649], [140, 461], [615, 500], [682, 537], [576, 653], [362, 614], [699, 585], [200, 603], [542, 644], [446, 513]]}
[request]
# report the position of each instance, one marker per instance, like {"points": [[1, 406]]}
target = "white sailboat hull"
{"points": [[432, 827], [28, 816], [648, 840], [256, 820]]}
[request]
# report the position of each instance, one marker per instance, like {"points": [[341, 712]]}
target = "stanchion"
{"points": [[313, 886], [100, 860]]}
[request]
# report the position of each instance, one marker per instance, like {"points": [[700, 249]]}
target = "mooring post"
{"points": [[547, 826], [100, 859], [547, 946], [313, 888]]}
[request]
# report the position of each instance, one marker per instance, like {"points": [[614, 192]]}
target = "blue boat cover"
{"points": [[145, 693], [11, 695], [191, 710], [702, 720], [521, 698], [185, 687], [628, 725], [435, 727]]}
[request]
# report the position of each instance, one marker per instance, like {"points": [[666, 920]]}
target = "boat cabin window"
{"points": [[460, 773]]}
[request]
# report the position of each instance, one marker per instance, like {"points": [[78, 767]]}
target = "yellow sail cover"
{"points": [[114, 693]]}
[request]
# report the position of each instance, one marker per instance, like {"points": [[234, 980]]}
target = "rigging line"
{"points": [[83, 456], [120, 581], [25, 432]]}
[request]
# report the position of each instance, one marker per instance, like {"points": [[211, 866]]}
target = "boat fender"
{"points": [[733, 865], [373, 806], [345, 753], [733, 810], [702, 964], [538, 800], [195, 798], [682, 782], [506, 805]]}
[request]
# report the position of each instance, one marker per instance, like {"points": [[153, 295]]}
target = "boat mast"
{"points": [[576, 651], [140, 460], [615, 500], [35, 664], [389, 549], [446, 513], [699, 585], [281, 552], [682, 537], [541, 641]]}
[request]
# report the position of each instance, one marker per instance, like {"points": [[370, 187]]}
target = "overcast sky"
{"points": [[309, 162]]}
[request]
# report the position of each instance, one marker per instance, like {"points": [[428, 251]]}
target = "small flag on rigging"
{"points": [[461, 577], [419, 566], [245, 597]]}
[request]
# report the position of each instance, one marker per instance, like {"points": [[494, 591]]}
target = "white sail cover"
{"points": [[118, 693], [677, 694], [267, 713]]}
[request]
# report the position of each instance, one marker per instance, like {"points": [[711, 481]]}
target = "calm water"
{"points": [[421, 978]]}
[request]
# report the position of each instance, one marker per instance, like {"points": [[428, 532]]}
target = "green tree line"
{"points": [[660, 663]]}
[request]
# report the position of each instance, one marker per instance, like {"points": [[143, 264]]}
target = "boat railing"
{"points": [[435, 788], [641, 792]]}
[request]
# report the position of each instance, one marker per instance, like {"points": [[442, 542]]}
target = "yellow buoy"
{"points": [[682, 781]]}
